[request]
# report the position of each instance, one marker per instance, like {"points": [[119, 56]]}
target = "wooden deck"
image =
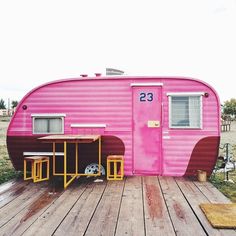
{"points": [[135, 206]]}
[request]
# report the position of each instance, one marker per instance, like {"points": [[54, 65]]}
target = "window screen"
{"points": [[48, 125], [185, 111]]}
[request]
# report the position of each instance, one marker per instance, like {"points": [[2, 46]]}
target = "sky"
{"points": [[46, 40]]}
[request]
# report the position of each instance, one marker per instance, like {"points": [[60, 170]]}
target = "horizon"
{"points": [[8, 101]]}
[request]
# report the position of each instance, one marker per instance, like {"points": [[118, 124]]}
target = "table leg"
{"points": [[53, 158], [99, 155], [76, 159], [65, 167], [65, 173]]}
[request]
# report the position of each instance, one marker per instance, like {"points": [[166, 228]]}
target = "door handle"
{"points": [[153, 123]]}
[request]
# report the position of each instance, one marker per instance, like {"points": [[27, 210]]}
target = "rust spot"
{"points": [[42, 201], [180, 214], [154, 201]]}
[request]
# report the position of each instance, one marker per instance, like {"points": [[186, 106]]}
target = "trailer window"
{"points": [[185, 111], [48, 125]]}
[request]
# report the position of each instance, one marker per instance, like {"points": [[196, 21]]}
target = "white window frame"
{"points": [[48, 116], [185, 94]]}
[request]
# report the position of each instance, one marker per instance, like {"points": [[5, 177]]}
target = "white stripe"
{"points": [[145, 84], [186, 94], [42, 153], [88, 125], [48, 115]]}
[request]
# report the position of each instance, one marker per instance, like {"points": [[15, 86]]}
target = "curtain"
{"points": [[185, 111], [48, 125], [194, 111], [40, 125], [55, 125], [179, 111]]}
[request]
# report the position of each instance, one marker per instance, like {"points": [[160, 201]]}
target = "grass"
{"points": [[227, 188], [7, 171], [218, 179]]}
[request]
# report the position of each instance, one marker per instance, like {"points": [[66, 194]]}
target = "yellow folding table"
{"points": [[76, 139]]}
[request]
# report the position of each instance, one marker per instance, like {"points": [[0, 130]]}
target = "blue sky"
{"points": [[43, 40]]}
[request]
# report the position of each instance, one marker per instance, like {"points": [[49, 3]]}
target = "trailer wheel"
{"points": [[93, 169]]}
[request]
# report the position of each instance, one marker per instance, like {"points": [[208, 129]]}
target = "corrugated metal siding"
{"points": [[110, 102], [178, 147], [85, 101]]}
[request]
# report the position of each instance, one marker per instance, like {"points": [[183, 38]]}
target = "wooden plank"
{"points": [[131, 218], [48, 222], [11, 191], [72, 138], [211, 192], [6, 186], [80, 215], [21, 221], [105, 218], [195, 197], [183, 218], [157, 219], [10, 210]]}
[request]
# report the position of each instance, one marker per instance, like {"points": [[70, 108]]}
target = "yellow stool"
{"points": [[115, 159], [36, 163]]}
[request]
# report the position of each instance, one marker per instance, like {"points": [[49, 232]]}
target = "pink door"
{"points": [[147, 130]]}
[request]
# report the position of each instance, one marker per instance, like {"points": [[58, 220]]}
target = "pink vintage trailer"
{"points": [[162, 126]]}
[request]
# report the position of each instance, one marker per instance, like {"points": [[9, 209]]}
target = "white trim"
{"points": [[42, 153], [170, 111], [88, 125], [186, 94], [201, 113], [48, 115], [145, 84]]}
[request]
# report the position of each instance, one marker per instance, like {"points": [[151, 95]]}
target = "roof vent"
{"points": [[84, 75], [112, 71]]}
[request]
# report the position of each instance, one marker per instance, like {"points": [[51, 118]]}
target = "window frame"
{"points": [[48, 116], [186, 94]]}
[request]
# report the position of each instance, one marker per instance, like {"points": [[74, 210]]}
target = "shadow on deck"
{"points": [[135, 206]]}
